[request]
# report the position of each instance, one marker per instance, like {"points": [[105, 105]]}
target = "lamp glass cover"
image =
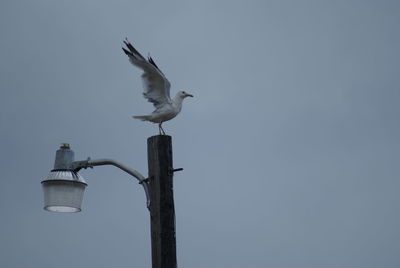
{"points": [[63, 192]]}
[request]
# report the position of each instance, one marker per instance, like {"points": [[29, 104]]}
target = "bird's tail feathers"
{"points": [[142, 117]]}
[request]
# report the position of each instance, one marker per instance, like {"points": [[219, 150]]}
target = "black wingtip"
{"points": [[132, 51], [127, 52], [126, 42], [152, 62], [131, 48]]}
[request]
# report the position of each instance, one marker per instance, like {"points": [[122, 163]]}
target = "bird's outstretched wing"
{"points": [[156, 85]]}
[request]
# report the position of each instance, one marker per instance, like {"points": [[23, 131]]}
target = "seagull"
{"points": [[156, 89]]}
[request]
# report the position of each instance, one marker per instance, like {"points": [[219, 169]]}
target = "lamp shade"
{"points": [[63, 191]]}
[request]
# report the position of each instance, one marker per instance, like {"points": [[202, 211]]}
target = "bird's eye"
{"points": [[183, 92]]}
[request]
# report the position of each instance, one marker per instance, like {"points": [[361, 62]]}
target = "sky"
{"points": [[290, 146]]}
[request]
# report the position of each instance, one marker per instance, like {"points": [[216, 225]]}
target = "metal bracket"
{"points": [[144, 181], [172, 170], [78, 165], [89, 163]]}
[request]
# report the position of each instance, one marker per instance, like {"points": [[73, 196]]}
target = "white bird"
{"points": [[156, 89]]}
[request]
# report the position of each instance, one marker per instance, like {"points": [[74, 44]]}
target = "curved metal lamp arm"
{"points": [[78, 165]]}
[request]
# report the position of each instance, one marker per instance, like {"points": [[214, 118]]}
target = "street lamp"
{"points": [[64, 187]]}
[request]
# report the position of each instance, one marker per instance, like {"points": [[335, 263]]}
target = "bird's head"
{"points": [[184, 94]]}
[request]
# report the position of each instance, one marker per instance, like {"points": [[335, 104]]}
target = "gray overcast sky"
{"points": [[290, 146]]}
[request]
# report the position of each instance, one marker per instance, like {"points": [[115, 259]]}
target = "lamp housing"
{"points": [[63, 188]]}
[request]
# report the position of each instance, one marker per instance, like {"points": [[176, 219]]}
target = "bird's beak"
{"points": [[189, 95]]}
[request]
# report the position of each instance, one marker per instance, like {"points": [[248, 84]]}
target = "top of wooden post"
{"points": [[160, 137]]}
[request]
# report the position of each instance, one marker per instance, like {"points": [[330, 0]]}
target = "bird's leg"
{"points": [[160, 129]]}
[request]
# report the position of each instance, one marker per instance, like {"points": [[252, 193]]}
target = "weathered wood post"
{"points": [[162, 210]]}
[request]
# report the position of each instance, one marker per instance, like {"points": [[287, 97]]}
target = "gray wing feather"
{"points": [[156, 86]]}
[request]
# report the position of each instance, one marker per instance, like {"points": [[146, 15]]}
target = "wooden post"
{"points": [[162, 210]]}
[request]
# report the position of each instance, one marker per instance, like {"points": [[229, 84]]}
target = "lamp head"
{"points": [[63, 188]]}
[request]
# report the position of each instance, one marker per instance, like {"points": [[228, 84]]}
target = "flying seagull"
{"points": [[156, 89]]}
